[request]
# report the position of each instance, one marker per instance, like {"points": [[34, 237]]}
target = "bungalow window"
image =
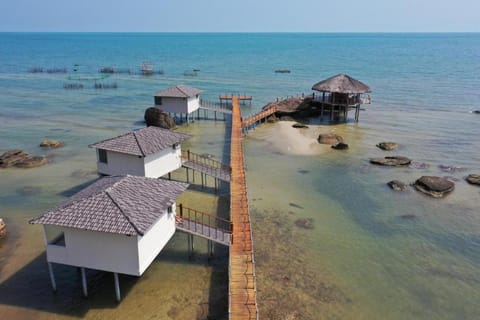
{"points": [[176, 146], [170, 209], [102, 156], [158, 101]]}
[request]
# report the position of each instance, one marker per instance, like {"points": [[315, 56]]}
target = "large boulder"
{"points": [[12, 157], [474, 179], [436, 187], [3, 229], [394, 161], [329, 138], [387, 145], [158, 118], [51, 144]]}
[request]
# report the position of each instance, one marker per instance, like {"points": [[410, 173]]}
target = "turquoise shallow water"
{"points": [[372, 253]]}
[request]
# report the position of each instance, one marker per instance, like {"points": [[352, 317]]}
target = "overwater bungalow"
{"points": [[117, 224], [182, 100], [151, 152], [340, 94]]}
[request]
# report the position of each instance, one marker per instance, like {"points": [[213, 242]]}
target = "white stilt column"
{"points": [[52, 276], [117, 286], [84, 282]]}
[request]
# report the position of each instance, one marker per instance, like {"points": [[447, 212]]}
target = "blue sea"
{"points": [[372, 253]]}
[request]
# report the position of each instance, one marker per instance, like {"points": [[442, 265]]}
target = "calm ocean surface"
{"points": [[372, 254]]}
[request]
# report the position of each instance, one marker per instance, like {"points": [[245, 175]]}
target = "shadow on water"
{"points": [[30, 288], [75, 189], [218, 296]]}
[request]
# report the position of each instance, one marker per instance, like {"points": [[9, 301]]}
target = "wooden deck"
{"points": [[242, 279]]}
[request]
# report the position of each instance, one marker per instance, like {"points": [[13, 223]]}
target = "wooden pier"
{"points": [[226, 99], [242, 278]]}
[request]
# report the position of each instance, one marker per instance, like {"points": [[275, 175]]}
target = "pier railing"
{"points": [[204, 224], [204, 160]]}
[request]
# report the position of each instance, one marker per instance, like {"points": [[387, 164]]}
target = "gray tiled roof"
{"points": [[127, 205], [179, 91], [142, 142]]}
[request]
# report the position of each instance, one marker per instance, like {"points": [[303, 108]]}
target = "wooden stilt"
{"points": [[52, 276], [193, 175], [201, 173], [331, 113], [84, 282], [187, 175], [117, 286], [215, 115]]}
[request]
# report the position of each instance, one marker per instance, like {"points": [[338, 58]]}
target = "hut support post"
{"points": [[117, 286], [52, 276], [187, 175], [84, 282], [357, 113]]}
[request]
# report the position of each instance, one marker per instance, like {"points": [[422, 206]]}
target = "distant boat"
{"points": [[189, 73], [282, 71], [146, 68]]}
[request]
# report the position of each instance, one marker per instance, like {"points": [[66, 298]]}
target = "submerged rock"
{"points": [[299, 126], [473, 179], [3, 229], [387, 145], [329, 138], [436, 187], [32, 162], [52, 144], [158, 118], [304, 223], [272, 119], [476, 111], [448, 168], [393, 161], [419, 165], [12, 157], [340, 146], [408, 216], [29, 190], [397, 185]]}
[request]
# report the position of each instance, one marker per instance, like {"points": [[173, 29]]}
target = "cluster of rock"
{"points": [[332, 139], [3, 229], [433, 186], [158, 118], [295, 107], [20, 159]]}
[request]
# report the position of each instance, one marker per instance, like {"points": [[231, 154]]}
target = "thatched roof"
{"points": [[341, 83]]}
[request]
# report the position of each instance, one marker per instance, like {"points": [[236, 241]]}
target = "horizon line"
{"points": [[251, 32]]}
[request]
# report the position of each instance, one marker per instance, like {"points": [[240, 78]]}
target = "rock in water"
{"points": [[387, 146], [3, 229], [32, 162], [52, 144], [12, 157], [393, 161], [329, 138], [436, 187], [299, 126], [158, 118], [304, 223], [340, 146], [397, 185], [476, 111], [474, 179]]}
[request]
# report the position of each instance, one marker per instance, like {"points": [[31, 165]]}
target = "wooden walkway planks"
{"points": [[258, 117], [242, 286]]}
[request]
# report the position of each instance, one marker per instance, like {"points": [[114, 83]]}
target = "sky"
{"points": [[240, 16]]}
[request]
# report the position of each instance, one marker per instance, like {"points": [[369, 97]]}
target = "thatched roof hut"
{"points": [[341, 83]]}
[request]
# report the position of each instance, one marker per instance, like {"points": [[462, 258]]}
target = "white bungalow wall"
{"points": [[121, 164], [97, 250], [113, 252], [163, 162], [180, 105], [155, 239]]}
